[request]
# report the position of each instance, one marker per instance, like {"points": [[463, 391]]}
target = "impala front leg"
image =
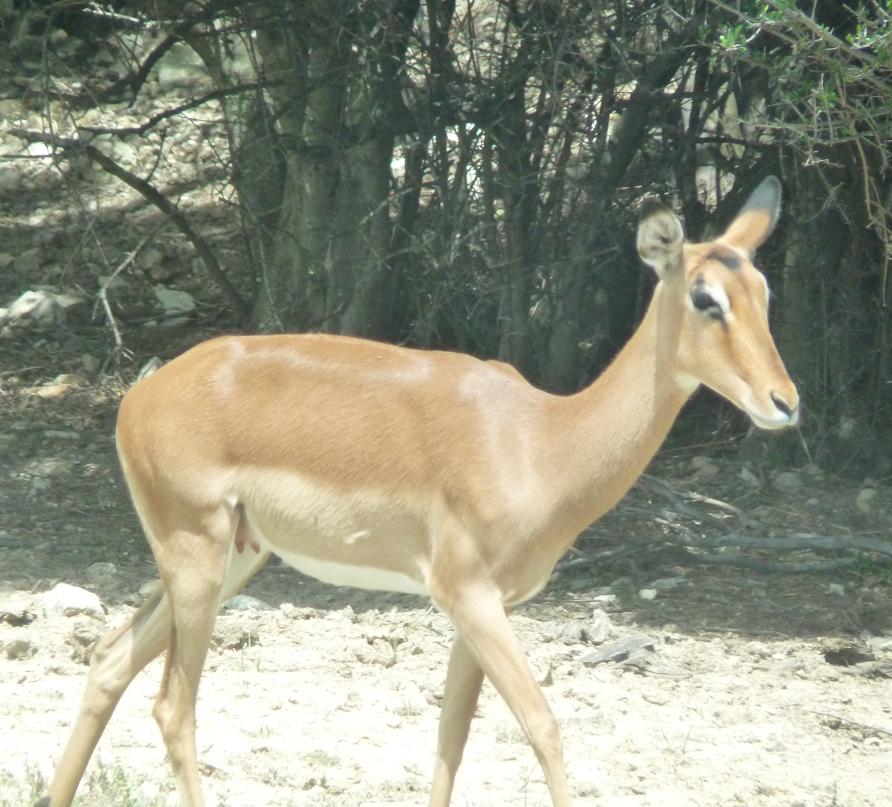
{"points": [[482, 623]]}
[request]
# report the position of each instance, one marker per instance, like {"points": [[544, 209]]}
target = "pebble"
{"points": [[750, 478], [67, 600], [787, 482], [82, 640], [865, 501], [71, 379], [242, 602], [600, 627], [19, 648], [704, 468]]}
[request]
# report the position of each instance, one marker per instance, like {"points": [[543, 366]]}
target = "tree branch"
{"points": [[192, 103], [153, 195]]}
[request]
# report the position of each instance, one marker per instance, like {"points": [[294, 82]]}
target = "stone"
{"points": [[647, 593], [124, 152], [704, 468], [176, 304], [49, 467], [38, 149], [572, 633], [865, 501], [51, 391], [12, 110], [18, 610], [600, 627], [82, 640], [787, 482], [71, 379], [67, 600], [45, 308], [242, 602], [750, 478], [233, 636], [151, 257], [19, 648], [11, 176]]}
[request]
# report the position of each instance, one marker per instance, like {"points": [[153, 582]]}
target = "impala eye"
{"points": [[704, 301]]}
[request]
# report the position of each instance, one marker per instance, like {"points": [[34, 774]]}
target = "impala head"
{"points": [[719, 302]]}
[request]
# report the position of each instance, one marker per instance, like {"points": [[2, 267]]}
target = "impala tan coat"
{"points": [[427, 472]]}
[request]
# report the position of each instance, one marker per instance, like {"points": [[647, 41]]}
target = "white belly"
{"points": [[342, 574], [338, 538]]}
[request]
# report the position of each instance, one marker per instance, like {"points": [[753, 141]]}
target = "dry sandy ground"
{"points": [[328, 703]]}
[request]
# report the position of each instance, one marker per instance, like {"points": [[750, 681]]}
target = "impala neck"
{"points": [[612, 429]]}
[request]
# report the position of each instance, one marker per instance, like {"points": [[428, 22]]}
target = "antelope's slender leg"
{"points": [[463, 681], [208, 568], [117, 658], [482, 622]]}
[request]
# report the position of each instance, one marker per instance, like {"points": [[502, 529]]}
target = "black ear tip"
{"points": [[769, 188], [767, 196], [650, 206]]}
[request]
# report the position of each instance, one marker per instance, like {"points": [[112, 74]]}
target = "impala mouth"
{"points": [[781, 415], [779, 421]]}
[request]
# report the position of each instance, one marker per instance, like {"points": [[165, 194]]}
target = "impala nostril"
{"points": [[781, 404]]}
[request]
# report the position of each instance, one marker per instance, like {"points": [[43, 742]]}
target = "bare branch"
{"points": [[153, 195]]}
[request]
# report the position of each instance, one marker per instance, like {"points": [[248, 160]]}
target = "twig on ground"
{"points": [[102, 294], [153, 195], [758, 564], [850, 722], [858, 543]]}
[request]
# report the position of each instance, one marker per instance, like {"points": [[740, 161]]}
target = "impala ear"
{"points": [[660, 237], [756, 220]]}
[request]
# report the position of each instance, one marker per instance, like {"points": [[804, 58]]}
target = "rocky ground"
{"points": [[705, 676], [752, 687]]}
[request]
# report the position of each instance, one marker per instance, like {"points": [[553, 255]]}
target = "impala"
{"points": [[435, 473]]}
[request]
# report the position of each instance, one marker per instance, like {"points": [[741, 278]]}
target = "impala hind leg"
{"points": [[482, 622], [463, 680], [207, 571], [117, 658]]}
